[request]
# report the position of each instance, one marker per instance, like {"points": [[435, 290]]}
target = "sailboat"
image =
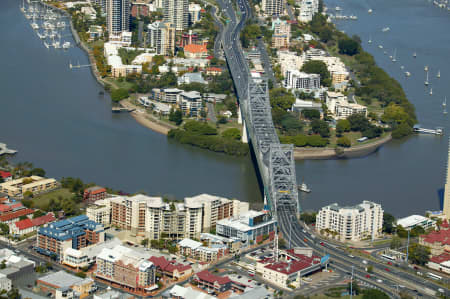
{"points": [[394, 59], [407, 74], [370, 40], [426, 81], [438, 74], [445, 102], [425, 68], [431, 91], [414, 54]]}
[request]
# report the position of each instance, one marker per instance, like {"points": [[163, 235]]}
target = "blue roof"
{"points": [[69, 228]]}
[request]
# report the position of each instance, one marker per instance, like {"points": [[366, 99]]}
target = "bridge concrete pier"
{"points": [[244, 137]]}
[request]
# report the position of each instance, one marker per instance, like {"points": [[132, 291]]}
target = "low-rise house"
{"points": [[214, 71], [290, 267], [440, 263], [170, 268], [89, 12], [189, 78], [12, 217], [187, 247], [195, 51], [34, 184], [233, 244], [28, 225], [214, 98], [95, 193], [437, 241], [5, 175], [50, 283], [212, 282], [300, 105], [95, 32], [413, 221]]}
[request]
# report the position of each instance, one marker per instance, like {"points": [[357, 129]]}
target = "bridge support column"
{"points": [[244, 137]]}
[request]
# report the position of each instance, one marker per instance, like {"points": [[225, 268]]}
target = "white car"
{"points": [[379, 281]]}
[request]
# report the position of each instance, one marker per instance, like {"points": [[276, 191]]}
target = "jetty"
{"points": [[437, 131], [121, 109], [6, 151]]}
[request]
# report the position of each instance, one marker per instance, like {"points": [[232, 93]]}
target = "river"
{"points": [[56, 118]]}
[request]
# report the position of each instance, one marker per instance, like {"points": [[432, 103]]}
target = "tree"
{"points": [[38, 171], [145, 242], [344, 142], [4, 229], [370, 269], [176, 116], [320, 127], [348, 46], [318, 67], [311, 114], [374, 294], [232, 133], [401, 131], [343, 125], [308, 218], [419, 254], [388, 223], [119, 94], [396, 242]]}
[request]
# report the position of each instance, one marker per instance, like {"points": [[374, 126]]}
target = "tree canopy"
{"points": [[318, 67], [348, 46]]}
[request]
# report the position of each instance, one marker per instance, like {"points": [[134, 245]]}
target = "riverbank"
{"points": [[341, 153], [147, 120]]}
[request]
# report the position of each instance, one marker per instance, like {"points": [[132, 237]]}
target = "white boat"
{"points": [[66, 45], [407, 74], [438, 74], [425, 68], [414, 54], [380, 46], [35, 26], [431, 91], [46, 45], [370, 10], [338, 8], [445, 102], [370, 40], [402, 67], [385, 29], [304, 188], [394, 59], [445, 111], [426, 80]]}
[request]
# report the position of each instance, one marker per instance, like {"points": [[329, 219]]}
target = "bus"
{"points": [[433, 276], [388, 257]]}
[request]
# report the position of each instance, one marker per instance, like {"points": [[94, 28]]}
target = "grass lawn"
{"points": [[120, 84], [42, 201], [323, 296]]}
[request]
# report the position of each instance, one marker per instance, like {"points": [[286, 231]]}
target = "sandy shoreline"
{"points": [[348, 153], [146, 120]]}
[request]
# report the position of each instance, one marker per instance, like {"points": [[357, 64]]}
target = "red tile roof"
{"points": [[438, 259], [168, 266], [214, 69], [24, 224], [442, 237], [5, 208], [50, 217], [5, 174], [193, 48], [205, 275], [444, 224], [14, 215], [95, 190]]}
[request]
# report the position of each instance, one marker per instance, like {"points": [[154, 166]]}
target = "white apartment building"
{"points": [[5, 283], [150, 216], [290, 60], [161, 37], [302, 81], [340, 108], [117, 16], [191, 103], [194, 13], [177, 13], [100, 212], [272, 7], [353, 223], [308, 8], [281, 34]]}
